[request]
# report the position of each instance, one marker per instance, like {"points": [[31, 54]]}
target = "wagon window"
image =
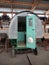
{"points": [[30, 22]]}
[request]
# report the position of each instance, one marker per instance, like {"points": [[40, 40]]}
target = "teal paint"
{"points": [[21, 36], [30, 31]]}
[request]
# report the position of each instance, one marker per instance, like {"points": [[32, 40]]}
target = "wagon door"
{"points": [[30, 32]]}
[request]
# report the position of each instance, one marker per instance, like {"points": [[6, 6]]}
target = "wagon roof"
{"points": [[28, 12]]}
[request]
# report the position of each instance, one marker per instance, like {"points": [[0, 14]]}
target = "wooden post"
{"points": [[12, 10]]}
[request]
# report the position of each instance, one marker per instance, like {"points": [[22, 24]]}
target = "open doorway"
{"points": [[21, 31]]}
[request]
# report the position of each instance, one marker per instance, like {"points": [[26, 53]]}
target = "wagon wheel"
{"points": [[35, 51], [13, 51]]}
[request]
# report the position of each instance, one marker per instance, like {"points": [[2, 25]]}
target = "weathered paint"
{"points": [[31, 32], [20, 36]]}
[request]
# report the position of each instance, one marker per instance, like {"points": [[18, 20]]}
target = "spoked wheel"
{"points": [[35, 51]]}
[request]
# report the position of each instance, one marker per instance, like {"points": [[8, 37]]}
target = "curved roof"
{"points": [[25, 13], [28, 12]]}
